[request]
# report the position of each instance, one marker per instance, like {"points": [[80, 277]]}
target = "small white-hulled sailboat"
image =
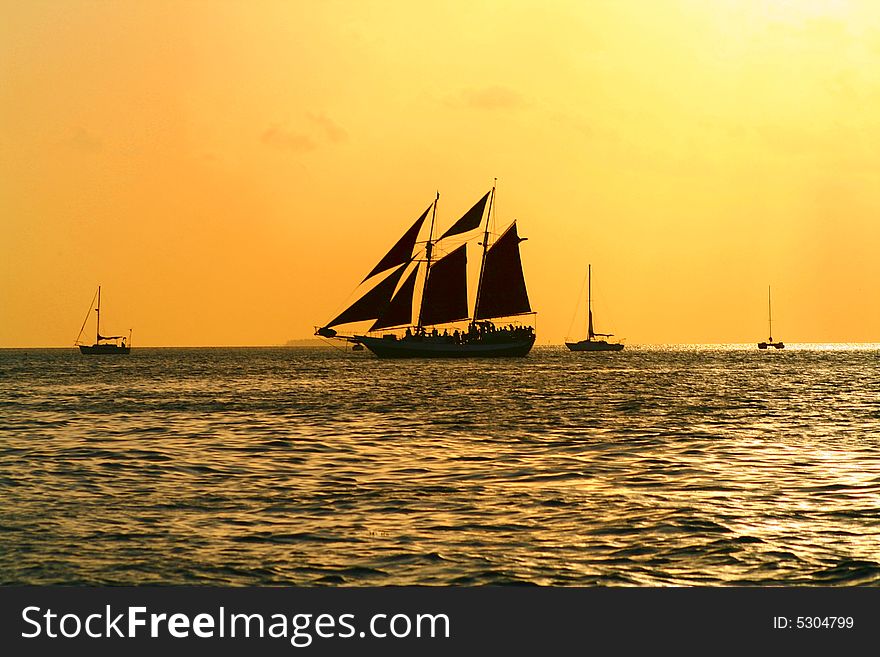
{"points": [[770, 344], [104, 344], [593, 341], [500, 293]]}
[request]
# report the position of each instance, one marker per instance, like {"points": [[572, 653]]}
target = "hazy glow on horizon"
{"points": [[228, 171]]}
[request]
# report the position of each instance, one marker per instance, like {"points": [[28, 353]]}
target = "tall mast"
{"points": [[589, 302], [485, 248], [98, 310], [769, 314], [429, 247]]}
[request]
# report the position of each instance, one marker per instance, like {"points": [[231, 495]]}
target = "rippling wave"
{"points": [[653, 466]]}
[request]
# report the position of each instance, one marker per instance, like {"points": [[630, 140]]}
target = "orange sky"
{"points": [[228, 171]]}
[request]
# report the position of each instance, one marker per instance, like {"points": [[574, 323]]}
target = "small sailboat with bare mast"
{"points": [[770, 343], [104, 344], [500, 293], [593, 341]]}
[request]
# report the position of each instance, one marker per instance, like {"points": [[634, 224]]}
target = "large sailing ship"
{"points": [[442, 325], [104, 344]]}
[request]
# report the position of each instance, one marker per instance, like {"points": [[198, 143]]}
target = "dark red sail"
{"points": [[399, 311], [470, 220], [403, 250], [372, 303], [503, 287], [445, 298]]}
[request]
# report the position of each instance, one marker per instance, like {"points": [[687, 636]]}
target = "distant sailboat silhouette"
{"points": [[591, 343], [103, 344], [770, 343], [501, 292]]}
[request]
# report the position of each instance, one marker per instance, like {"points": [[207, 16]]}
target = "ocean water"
{"points": [[655, 466]]}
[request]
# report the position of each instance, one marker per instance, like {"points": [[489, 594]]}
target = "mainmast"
{"points": [[429, 247], [485, 249], [769, 314]]}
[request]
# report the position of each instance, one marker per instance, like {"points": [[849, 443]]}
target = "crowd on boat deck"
{"points": [[478, 332]]}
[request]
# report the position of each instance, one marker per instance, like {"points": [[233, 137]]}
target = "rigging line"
{"points": [[449, 244], [352, 297], [89, 312], [578, 305], [334, 346]]}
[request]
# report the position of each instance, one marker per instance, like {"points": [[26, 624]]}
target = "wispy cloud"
{"points": [[332, 129], [279, 137], [493, 98], [83, 141], [319, 128]]}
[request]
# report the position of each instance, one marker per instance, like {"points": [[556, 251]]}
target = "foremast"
{"points": [[485, 244], [429, 248]]}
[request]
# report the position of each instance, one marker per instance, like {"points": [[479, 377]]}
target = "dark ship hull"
{"points": [[104, 349], [392, 347], [594, 345], [774, 345]]}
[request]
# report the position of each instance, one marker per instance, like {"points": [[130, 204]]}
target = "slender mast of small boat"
{"points": [[590, 333], [769, 314], [429, 249], [98, 310], [485, 249]]}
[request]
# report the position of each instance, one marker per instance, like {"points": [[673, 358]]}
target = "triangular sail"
{"points": [[470, 220], [372, 303], [402, 251], [86, 320], [503, 286], [591, 333], [399, 311], [445, 298]]}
